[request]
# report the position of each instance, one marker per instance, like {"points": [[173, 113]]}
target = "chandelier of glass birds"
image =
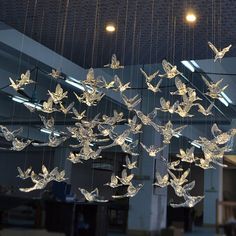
{"points": [[101, 129]]}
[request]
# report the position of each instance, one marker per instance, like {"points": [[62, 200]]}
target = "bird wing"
{"points": [[144, 73], [152, 114], [178, 83], [158, 177], [166, 66], [127, 160], [213, 48], [17, 131], [172, 175], [21, 173], [206, 81], [215, 130], [185, 174], [189, 186], [124, 173]]}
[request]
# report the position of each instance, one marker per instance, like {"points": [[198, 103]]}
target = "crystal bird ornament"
{"points": [[161, 181], [78, 116], [207, 111], [48, 106], [131, 103], [131, 191], [128, 148], [24, 174], [115, 64], [186, 156], [10, 135], [190, 201], [180, 190], [134, 126], [75, 158], [168, 131], [19, 145], [125, 179], [155, 88], [48, 123], [179, 180], [219, 54], [92, 196], [167, 107], [129, 164], [170, 70], [58, 95], [56, 74], [214, 89], [152, 150], [114, 183], [150, 77], [181, 87], [112, 120], [24, 80], [65, 110], [119, 86]]}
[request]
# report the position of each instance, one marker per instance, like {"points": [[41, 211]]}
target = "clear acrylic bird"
{"points": [[107, 85], [181, 87], [130, 164], [58, 95], [168, 131], [190, 201], [181, 190], [112, 120], [207, 111], [115, 64], [204, 163], [172, 165], [131, 103], [75, 158], [134, 126], [48, 106], [179, 180], [24, 80], [118, 140], [125, 179], [131, 191], [78, 116], [219, 54], [167, 107], [24, 174], [170, 70], [114, 183], [53, 141], [119, 86], [48, 123], [150, 77], [161, 181], [19, 145], [92, 196], [155, 88], [65, 110], [105, 130], [214, 89], [10, 135], [56, 74], [187, 156], [152, 150], [129, 147]]}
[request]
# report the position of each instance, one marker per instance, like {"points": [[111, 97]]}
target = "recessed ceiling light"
{"points": [[191, 17], [110, 28]]}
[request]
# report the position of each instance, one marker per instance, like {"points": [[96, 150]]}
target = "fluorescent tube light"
{"points": [[224, 101], [195, 64], [194, 143], [47, 131], [226, 97], [188, 65], [19, 99], [75, 84]]}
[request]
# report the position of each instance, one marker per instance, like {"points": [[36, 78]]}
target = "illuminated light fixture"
{"points": [[195, 144], [19, 99], [76, 83], [188, 65], [223, 100], [177, 135], [110, 28], [226, 97], [36, 106], [191, 17], [130, 140], [47, 131], [195, 64]]}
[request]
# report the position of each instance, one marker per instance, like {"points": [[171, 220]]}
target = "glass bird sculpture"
{"points": [[131, 103], [152, 150], [114, 183], [150, 77], [129, 164], [125, 179], [131, 191], [10, 135], [219, 54], [161, 181], [170, 70], [92, 196], [58, 95], [115, 64]]}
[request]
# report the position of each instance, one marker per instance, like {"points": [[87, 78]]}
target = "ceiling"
{"points": [[146, 30]]}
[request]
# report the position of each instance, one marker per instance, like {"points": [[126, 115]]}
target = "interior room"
{"points": [[118, 118]]}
